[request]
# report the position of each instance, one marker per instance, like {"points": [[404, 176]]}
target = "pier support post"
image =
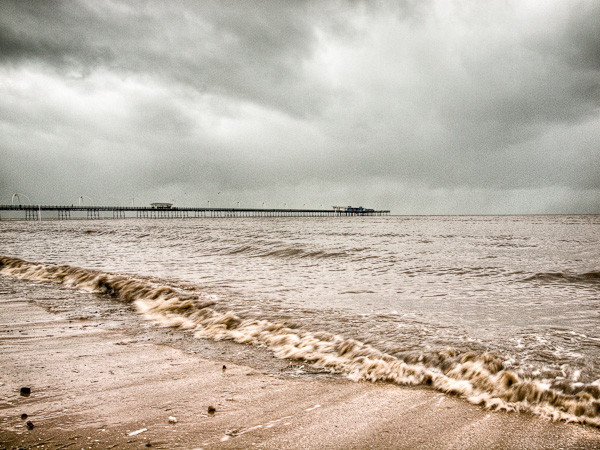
{"points": [[64, 214], [93, 213]]}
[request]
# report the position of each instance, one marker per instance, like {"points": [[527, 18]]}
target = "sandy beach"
{"points": [[95, 384]]}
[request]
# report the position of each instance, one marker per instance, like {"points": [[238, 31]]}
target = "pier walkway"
{"points": [[49, 212]]}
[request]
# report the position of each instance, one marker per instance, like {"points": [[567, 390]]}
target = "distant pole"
{"points": [[133, 199], [18, 195], [40, 213], [80, 200]]}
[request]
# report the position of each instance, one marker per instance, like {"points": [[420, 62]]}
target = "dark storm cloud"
{"points": [[241, 49], [583, 35], [419, 106]]}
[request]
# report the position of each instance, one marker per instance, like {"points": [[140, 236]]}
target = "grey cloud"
{"points": [[244, 50], [426, 106], [583, 35]]}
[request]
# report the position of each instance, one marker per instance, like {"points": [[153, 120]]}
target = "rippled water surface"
{"points": [[527, 287]]}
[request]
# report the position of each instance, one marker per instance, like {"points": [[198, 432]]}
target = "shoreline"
{"points": [[94, 385]]}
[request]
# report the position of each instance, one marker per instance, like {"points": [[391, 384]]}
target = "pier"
{"points": [[49, 212]]}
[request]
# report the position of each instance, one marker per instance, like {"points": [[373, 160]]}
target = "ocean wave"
{"points": [[592, 277], [284, 252], [482, 378]]}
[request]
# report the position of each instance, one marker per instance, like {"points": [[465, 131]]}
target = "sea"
{"points": [[503, 311]]}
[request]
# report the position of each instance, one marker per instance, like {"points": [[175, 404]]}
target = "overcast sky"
{"points": [[418, 106]]}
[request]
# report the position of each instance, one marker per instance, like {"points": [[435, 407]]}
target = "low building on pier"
{"points": [[352, 210], [161, 205]]}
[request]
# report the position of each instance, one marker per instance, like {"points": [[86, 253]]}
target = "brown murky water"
{"points": [[496, 309]]}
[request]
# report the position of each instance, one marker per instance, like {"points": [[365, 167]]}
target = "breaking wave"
{"points": [[481, 378]]}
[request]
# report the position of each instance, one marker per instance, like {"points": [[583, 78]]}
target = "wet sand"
{"points": [[97, 385]]}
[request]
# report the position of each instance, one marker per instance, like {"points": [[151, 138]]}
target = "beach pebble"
{"points": [[24, 416], [172, 419], [211, 410], [25, 391], [29, 425]]}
